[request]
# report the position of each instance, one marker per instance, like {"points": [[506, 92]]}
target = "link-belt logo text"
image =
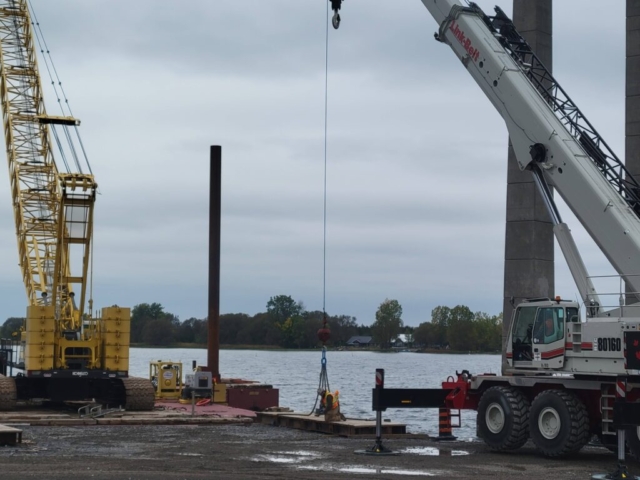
{"points": [[464, 41]]}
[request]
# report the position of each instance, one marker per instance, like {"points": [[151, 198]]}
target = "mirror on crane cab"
{"points": [[538, 333]]}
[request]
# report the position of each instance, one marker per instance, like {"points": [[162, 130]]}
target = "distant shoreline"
{"points": [[438, 351]]}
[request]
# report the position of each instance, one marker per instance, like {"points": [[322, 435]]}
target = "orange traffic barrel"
{"points": [[444, 425]]}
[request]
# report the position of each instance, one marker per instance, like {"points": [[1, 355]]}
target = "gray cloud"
{"points": [[416, 154]]}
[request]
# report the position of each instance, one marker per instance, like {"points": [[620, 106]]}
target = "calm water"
{"points": [[296, 375]]}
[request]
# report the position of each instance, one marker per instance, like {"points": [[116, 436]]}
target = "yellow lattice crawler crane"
{"points": [[64, 352]]}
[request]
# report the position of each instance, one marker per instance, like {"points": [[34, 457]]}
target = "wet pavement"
{"points": [[260, 451]]}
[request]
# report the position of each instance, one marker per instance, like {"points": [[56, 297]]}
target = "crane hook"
{"points": [[335, 6]]}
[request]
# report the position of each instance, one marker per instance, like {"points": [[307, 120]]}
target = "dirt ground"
{"points": [[259, 451]]}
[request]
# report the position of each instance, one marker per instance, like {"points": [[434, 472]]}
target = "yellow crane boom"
{"points": [[65, 353], [45, 203]]}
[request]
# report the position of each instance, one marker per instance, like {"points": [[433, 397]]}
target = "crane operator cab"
{"points": [[538, 333]]}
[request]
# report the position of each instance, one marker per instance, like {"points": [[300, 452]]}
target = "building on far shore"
{"points": [[360, 341]]}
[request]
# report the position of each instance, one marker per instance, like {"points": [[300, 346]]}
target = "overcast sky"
{"points": [[416, 174]]}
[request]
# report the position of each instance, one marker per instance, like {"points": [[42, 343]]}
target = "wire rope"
{"points": [[44, 49], [323, 382], [324, 214]]}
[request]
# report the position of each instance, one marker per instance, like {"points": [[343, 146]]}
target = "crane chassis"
{"points": [[565, 378]]}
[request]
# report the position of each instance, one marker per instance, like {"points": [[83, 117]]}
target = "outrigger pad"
{"points": [[377, 450], [620, 474]]}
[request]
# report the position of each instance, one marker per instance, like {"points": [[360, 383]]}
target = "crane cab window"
{"points": [[522, 328], [549, 325]]}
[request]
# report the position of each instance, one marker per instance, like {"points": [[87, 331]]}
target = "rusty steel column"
{"points": [[529, 259], [213, 323]]}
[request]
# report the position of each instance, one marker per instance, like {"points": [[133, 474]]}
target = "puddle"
{"points": [[302, 453], [375, 471], [287, 457], [386, 471], [433, 451], [274, 459]]}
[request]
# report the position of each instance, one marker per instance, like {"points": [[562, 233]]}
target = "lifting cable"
{"points": [[324, 333], [57, 84]]}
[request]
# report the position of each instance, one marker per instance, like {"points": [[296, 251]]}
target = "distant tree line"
{"points": [[287, 324], [460, 329]]}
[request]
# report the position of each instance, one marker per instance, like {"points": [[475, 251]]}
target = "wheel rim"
{"points": [[494, 418], [549, 423]]}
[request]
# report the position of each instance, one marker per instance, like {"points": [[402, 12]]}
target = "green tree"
{"points": [[282, 307], [200, 331], [10, 326], [230, 325], [343, 327], [461, 330], [488, 332], [159, 331], [440, 318], [388, 323], [293, 332], [142, 314], [186, 332], [425, 334], [364, 330]]}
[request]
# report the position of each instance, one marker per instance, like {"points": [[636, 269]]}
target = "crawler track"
{"points": [[139, 394], [8, 393]]}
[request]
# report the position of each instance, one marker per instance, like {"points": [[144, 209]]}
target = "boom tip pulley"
{"points": [[335, 6]]}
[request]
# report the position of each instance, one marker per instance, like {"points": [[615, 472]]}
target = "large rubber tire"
{"points": [[8, 393], [503, 418], [558, 423], [140, 395]]}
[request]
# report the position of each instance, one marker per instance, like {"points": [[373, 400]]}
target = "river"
{"points": [[296, 375]]}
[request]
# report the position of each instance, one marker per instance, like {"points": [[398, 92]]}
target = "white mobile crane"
{"points": [[566, 378]]}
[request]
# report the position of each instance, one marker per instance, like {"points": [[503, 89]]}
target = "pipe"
{"points": [[213, 323]]}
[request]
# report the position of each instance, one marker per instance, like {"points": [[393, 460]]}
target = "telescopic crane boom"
{"points": [[550, 135]]}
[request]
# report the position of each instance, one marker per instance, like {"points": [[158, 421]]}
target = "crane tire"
{"points": [[558, 423], [503, 418], [8, 393], [140, 394]]}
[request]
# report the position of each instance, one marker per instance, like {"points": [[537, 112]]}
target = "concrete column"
{"points": [[632, 106], [529, 259]]}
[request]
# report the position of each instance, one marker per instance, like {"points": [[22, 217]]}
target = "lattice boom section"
{"points": [[32, 171]]}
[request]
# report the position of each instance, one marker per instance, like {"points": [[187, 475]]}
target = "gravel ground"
{"points": [[260, 451]]}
